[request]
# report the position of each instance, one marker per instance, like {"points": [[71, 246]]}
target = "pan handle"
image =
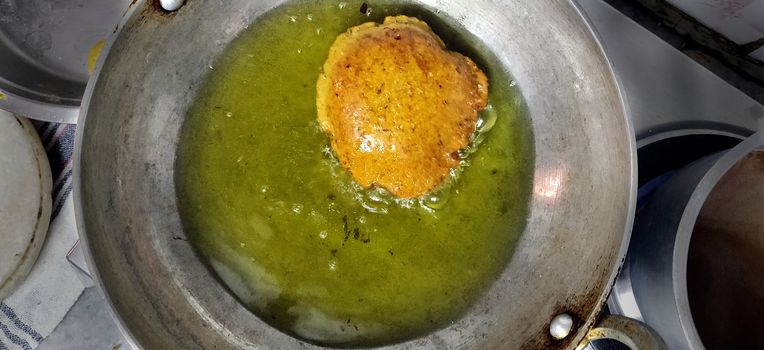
{"points": [[634, 334]]}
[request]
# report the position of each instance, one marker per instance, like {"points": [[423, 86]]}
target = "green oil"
{"points": [[294, 238]]}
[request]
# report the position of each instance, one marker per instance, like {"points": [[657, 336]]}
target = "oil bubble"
{"points": [[486, 120], [374, 209], [408, 203], [479, 138], [436, 200], [378, 195], [376, 200]]}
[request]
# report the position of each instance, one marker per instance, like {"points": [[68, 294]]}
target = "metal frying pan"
{"points": [[165, 298]]}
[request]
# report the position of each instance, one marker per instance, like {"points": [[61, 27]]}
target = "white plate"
{"points": [[25, 203]]}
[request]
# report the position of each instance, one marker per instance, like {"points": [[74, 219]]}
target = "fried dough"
{"points": [[398, 106]]}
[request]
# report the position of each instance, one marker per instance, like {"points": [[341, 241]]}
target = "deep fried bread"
{"points": [[397, 105]]}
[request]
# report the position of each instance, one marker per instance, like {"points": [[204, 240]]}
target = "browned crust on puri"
{"points": [[397, 105]]}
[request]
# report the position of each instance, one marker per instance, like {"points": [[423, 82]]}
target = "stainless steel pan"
{"points": [[165, 298]]}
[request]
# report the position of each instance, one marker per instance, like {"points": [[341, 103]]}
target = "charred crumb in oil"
{"points": [[355, 231], [348, 323], [345, 229], [218, 107], [364, 8], [504, 207], [334, 252], [331, 196], [494, 171], [391, 252]]}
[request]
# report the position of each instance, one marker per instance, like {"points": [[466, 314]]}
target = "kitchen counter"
{"points": [[667, 94]]}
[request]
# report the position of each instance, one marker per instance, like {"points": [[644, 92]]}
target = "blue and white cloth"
{"points": [[34, 310]]}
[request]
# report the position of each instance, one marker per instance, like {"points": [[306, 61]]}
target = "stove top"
{"points": [[668, 93]]}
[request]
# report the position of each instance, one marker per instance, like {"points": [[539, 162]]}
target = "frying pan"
{"points": [[563, 265]]}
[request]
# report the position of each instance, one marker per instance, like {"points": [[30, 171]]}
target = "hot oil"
{"points": [[267, 205]]}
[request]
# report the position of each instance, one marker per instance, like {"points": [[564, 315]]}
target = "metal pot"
{"points": [[686, 264], [564, 263], [45, 47]]}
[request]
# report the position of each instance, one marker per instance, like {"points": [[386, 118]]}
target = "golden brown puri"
{"points": [[397, 105]]}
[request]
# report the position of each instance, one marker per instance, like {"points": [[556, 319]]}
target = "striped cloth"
{"points": [[52, 287], [58, 140]]}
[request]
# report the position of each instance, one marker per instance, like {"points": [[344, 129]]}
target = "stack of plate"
{"points": [[25, 203]]}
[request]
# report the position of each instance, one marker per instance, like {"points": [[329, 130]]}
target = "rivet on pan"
{"points": [[561, 326], [171, 5]]}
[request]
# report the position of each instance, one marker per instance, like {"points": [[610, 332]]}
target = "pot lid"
{"points": [[25, 203]]}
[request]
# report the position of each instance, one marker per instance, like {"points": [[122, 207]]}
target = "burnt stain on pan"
{"points": [[150, 11], [579, 308]]}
